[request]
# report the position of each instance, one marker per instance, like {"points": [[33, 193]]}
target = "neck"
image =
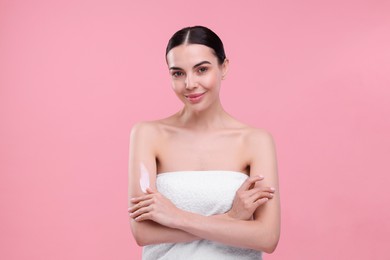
{"points": [[213, 117]]}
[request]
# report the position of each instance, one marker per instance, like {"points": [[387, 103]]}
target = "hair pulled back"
{"points": [[198, 35]]}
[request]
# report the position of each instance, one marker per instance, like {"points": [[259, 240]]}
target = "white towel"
{"points": [[206, 193]]}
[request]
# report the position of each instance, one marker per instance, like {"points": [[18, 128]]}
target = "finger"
{"points": [[252, 192], [261, 189], [250, 182], [139, 205], [260, 202], [265, 189], [140, 211], [150, 190], [261, 195], [143, 217], [141, 198]]}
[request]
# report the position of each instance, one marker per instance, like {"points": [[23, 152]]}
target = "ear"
{"points": [[225, 68]]}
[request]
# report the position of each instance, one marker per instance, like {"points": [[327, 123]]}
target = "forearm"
{"points": [[176, 225], [149, 232], [240, 233], [221, 228]]}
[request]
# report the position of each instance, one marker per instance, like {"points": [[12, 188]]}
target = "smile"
{"points": [[195, 98]]}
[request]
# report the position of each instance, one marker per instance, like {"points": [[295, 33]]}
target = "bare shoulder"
{"points": [[260, 135], [156, 130], [145, 130], [252, 136], [259, 139]]}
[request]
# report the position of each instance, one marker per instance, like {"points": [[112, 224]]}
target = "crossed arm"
{"points": [[253, 222]]}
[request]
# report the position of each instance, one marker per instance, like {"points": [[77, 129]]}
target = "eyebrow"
{"points": [[196, 65]]}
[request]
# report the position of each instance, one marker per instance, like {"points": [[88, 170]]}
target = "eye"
{"points": [[202, 69], [177, 74]]}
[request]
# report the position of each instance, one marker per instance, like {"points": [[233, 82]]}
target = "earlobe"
{"points": [[225, 68]]}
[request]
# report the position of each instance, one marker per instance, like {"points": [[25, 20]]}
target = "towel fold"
{"points": [[206, 193]]}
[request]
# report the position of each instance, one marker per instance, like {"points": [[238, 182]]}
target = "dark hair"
{"points": [[198, 35]]}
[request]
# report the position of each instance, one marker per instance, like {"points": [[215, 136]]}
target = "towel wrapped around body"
{"points": [[206, 193]]}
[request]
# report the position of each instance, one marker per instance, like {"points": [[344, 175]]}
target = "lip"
{"points": [[195, 97]]}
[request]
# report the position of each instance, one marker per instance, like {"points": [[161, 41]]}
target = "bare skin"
{"points": [[203, 136]]}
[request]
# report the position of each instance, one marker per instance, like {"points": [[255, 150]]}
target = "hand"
{"points": [[154, 206], [249, 197]]}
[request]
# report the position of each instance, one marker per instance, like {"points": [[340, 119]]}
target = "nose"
{"points": [[190, 82]]}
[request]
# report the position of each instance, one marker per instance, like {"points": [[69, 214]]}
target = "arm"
{"points": [[143, 138], [263, 232], [223, 229], [142, 141]]}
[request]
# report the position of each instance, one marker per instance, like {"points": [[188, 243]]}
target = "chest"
{"points": [[202, 152], [202, 192]]}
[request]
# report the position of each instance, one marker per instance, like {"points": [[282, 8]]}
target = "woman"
{"points": [[205, 197]]}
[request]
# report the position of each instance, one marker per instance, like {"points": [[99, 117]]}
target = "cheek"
{"points": [[177, 86], [210, 82]]}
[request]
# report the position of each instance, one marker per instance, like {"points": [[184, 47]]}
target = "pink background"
{"points": [[76, 75]]}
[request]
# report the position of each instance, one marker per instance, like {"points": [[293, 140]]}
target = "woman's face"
{"points": [[196, 74]]}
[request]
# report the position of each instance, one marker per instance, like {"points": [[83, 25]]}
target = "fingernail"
{"points": [[261, 176], [272, 188]]}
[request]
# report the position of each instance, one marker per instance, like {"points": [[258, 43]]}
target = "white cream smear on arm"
{"points": [[144, 178]]}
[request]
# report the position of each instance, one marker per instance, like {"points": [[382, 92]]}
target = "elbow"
{"points": [[270, 244], [269, 249], [138, 238], [138, 235], [140, 243]]}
